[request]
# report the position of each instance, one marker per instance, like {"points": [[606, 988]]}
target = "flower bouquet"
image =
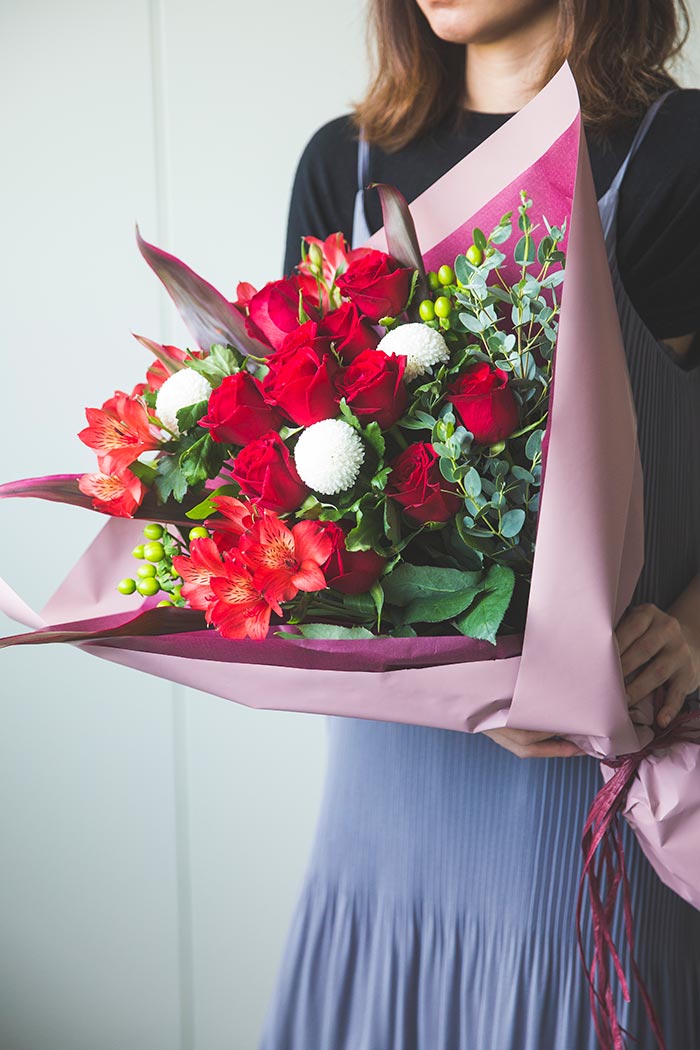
{"points": [[372, 474], [402, 483]]}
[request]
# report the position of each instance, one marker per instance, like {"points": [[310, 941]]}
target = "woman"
{"points": [[437, 911]]}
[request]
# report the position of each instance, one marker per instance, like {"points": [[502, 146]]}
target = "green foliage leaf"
{"points": [[202, 460], [145, 472], [188, 416], [207, 507], [170, 480], [428, 594], [221, 361], [372, 434], [486, 615], [329, 631]]}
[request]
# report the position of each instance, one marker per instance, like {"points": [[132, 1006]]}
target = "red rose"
{"points": [[238, 412], [266, 473], [374, 389], [377, 285], [273, 312], [351, 334], [351, 572], [302, 377], [485, 403], [417, 484]]}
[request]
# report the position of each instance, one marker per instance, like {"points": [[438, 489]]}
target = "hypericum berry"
{"points": [[426, 310], [154, 551], [145, 571], [433, 280], [148, 587], [153, 531], [164, 602], [138, 551], [177, 591], [446, 275], [126, 586], [474, 255], [198, 533], [443, 306]]}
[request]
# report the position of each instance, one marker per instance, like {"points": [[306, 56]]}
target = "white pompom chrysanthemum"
{"points": [[179, 390], [422, 347], [329, 455]]}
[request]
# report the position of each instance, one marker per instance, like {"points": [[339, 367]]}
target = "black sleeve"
{"points": [[659, 221], [323, 194]]}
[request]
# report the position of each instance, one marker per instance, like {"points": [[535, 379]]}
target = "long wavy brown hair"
{"points": [[619, 51]]}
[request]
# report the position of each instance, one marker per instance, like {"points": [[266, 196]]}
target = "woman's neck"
{"points": [[503, 75]]}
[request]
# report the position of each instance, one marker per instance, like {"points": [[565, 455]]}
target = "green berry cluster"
{"points": [[440, 307], [157, 574]]}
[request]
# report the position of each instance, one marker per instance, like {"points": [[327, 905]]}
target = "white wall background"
{"points": [[152, 839]]}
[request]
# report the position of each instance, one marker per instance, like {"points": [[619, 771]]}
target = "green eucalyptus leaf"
{"points": [[472, 482], [533, 446], [512, 522], [525, 251]]}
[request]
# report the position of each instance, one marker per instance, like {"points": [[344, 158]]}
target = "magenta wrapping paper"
{"points": [[564, 675]]}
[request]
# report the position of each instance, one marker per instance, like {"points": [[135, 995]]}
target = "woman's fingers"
{"points": [[633, 625], [660, 631], [526, 744], [680, 685], [664, 666]]}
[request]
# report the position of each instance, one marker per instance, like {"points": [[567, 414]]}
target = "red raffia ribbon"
{"points": [[604, 859]]}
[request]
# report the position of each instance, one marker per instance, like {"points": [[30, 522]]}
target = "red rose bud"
{"points": [[377, 285], [302, 377], [350, 572], [374, 389], [273, 312], [350, 333], [485, 403], [265, 471], [417, 484], [238, 412]]}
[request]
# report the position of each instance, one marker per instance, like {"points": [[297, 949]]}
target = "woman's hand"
{"points": [[528, 744], [662, 649]]}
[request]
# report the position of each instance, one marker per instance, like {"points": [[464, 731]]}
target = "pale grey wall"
{"points": [[152, 838]]}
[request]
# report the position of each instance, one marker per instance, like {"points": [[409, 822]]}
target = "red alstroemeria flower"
{"points": [[237, 520], [204, 561], [239, 610], [285, 561], [116, 494], [244, 291], [119, 432]]}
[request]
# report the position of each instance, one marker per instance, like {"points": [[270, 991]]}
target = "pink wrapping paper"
{"points": [[564, 675]]}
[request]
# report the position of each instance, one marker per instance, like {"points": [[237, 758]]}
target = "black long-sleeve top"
{"points": [[659, 216]]}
